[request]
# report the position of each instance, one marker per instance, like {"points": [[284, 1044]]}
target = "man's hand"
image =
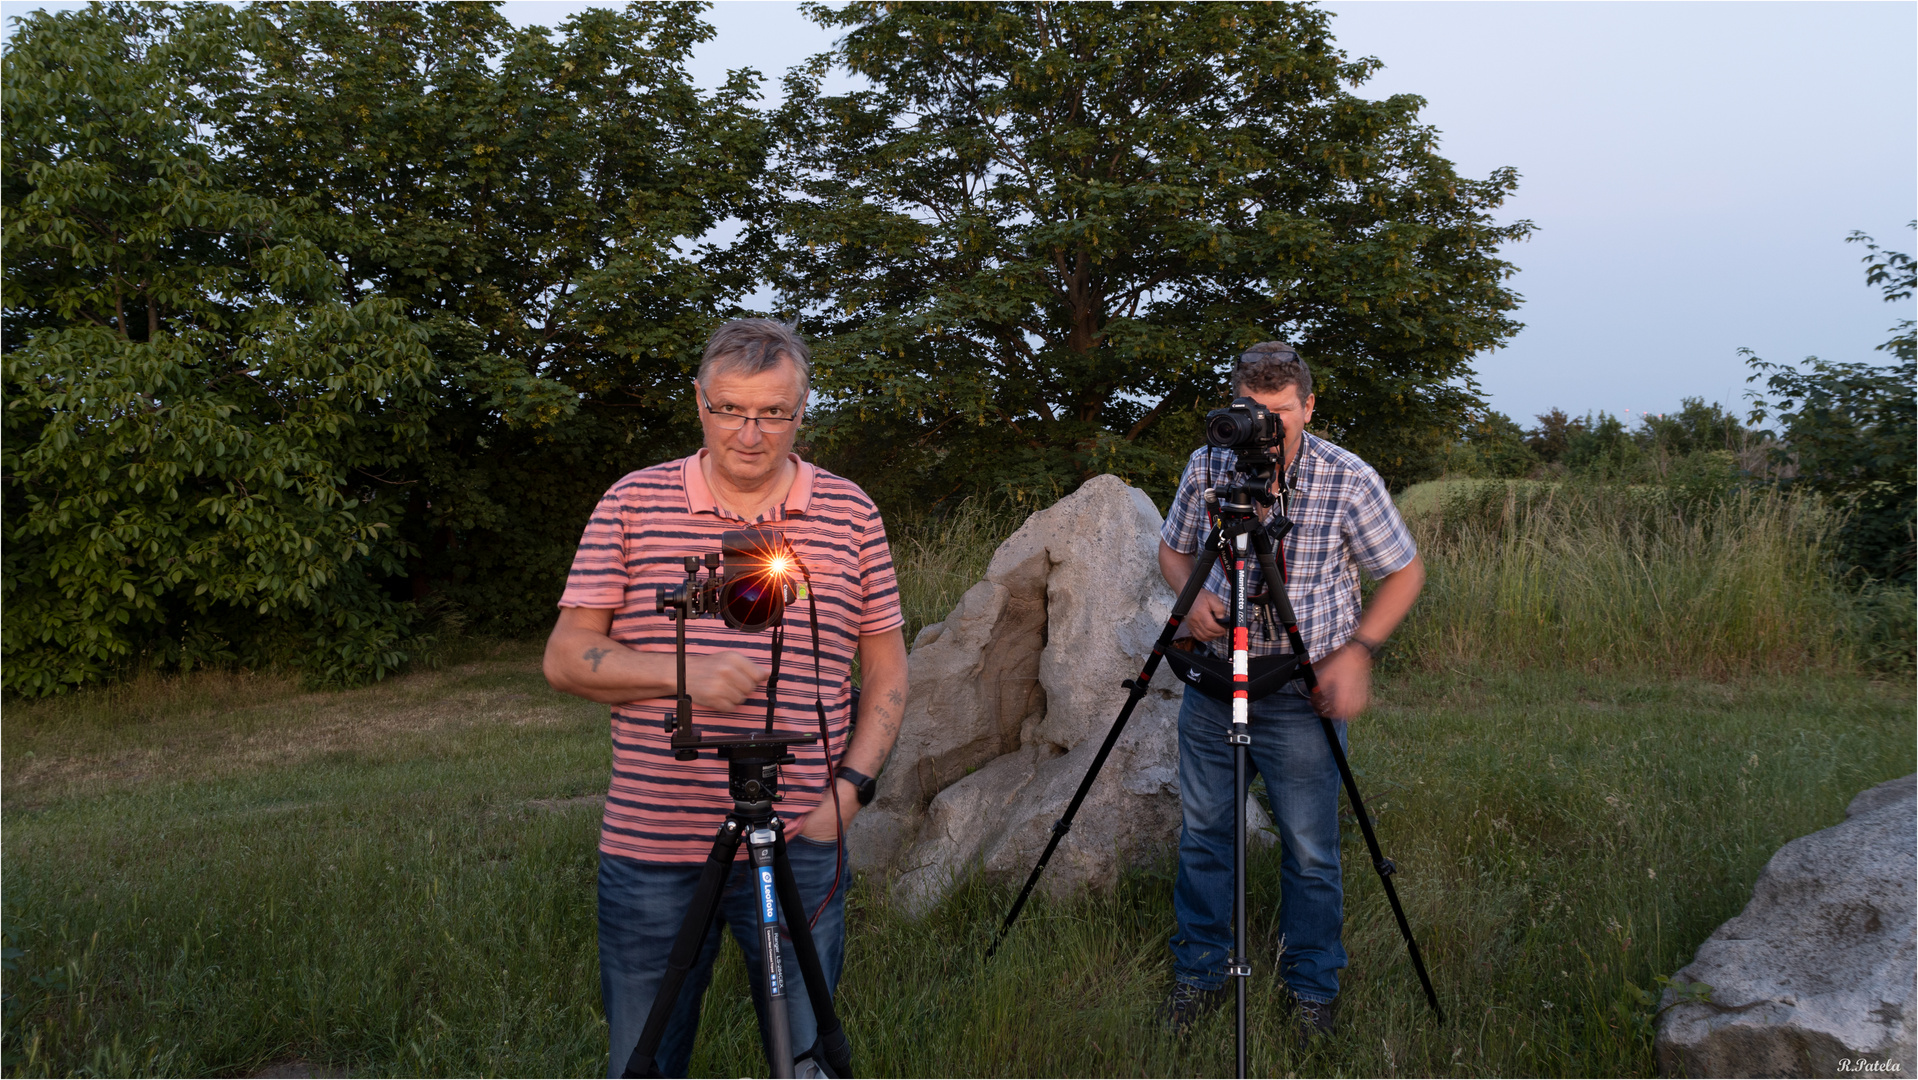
{"points": [[1207, 617], [1345, 682], [818, 823], [721, 680]]}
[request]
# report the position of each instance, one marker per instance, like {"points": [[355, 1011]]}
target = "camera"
{"points": [[749, 581], [1243, 425]]}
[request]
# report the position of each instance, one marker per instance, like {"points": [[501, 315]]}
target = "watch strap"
{"points": [[865, 786]]}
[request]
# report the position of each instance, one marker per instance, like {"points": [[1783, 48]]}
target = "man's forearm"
{"points": [[1175, 566], [882, 701], [1391, 601], [582, 660]]}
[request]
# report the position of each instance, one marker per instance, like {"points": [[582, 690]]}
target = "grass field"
{"points": [[1604, 717], [214, 876]]}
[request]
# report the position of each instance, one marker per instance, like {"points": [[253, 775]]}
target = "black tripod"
{"points": [[752, 768], [1235, 509]]}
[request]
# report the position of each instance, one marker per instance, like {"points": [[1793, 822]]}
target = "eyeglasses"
{"points": [[768, 425]]}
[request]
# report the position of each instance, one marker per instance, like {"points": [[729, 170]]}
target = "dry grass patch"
{"points": [[214, 724]]}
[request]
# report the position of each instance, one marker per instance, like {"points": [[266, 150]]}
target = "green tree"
{"points": [[1493, 447], [188, 393], [1602, 448], [542, 204], [1033, 246], [1849, 429], [1554, 434]]}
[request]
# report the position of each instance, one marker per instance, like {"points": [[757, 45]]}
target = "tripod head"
{"points": [[752, 771]]}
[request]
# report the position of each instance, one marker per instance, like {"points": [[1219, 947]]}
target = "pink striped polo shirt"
{"points": [[660, 810]]}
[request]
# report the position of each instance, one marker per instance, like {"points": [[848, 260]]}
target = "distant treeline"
{"points": [[1845, 431], [326, 324]]}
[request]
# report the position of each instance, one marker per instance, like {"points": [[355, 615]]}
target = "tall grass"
{"points": [[1610, 578], [939, 558]]}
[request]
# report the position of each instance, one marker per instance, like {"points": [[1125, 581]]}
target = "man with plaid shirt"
{"points": [[1343, 522]]}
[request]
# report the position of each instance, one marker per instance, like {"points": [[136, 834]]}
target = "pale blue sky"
{"points": [[1693, 169]]}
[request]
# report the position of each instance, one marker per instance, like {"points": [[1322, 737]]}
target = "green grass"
{"points": [[210, 875], [1606, 713]]}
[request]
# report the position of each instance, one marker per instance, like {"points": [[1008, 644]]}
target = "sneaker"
{"points": [[1313, 1019], [1187, 1004]]}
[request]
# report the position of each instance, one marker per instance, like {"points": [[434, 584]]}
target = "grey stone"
{"points": [[1011, 696], [1817, 976]]}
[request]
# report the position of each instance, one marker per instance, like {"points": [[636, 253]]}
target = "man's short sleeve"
{"points": [[598, 578], [878, 582], [1186, 521], [1374, 532]]}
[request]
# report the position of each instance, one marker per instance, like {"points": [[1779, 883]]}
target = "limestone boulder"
{"points": [[1011, 696], [1816, 977]]}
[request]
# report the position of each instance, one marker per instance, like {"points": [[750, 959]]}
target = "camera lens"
{"points": [[1229, 427], [752, 601]]}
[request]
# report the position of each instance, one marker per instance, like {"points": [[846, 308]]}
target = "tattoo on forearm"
{"points": [[896, 698], [596, 655]]}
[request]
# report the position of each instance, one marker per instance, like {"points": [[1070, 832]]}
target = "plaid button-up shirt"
{"points": [[1343, 521]]}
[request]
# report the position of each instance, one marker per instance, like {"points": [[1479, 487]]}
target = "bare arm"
{"points": [[1345, 677], [1391, 601], [882, 705], [582, 660], [1207, 617]]}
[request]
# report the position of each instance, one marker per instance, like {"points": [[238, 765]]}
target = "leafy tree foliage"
{"points": [[1554, 434], [313, 309], [1849, 428], [1493, 447], [1034, 245], [537, 205], [188, 392]]}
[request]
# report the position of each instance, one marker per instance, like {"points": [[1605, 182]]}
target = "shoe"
{"points": [[1313, 1019], [1187, 1004]]}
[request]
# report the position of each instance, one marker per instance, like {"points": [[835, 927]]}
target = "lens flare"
{"points": [[779, 565]]}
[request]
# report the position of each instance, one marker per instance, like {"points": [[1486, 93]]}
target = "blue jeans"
{"points": [[1302, 789], [640, 908]]}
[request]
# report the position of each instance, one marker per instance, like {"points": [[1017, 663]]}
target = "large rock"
{"points": [[1817, 976], [1012, 695]]}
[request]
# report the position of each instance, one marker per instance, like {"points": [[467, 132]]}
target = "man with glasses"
{"points": [[611, 646]]}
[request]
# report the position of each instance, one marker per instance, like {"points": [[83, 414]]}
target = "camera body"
{"points": [[749, 581], [1244, 426]]}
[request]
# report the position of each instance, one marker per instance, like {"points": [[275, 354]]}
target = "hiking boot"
{"points": [[1313, 1019], [1187, 1004]]}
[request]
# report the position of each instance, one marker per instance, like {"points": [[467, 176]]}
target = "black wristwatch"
{"points": [[862, 785]]}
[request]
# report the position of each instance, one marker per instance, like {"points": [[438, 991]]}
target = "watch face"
{"points": [[866, 791]]}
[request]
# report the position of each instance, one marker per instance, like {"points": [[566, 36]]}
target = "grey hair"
{"points": [[1270, 366], [750, 346]]}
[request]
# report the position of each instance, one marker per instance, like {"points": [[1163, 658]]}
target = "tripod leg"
{"points": [[1238, 968], [762, 844], [1138, 687], [832, 1037], [1275, 590], [692, 934], [1385, 867]]}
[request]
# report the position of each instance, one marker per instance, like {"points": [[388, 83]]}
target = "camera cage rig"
{"points": [[750, 598]]}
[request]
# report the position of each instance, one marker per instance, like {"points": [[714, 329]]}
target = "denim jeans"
{"points": [[1302, 789], [640, 908]]}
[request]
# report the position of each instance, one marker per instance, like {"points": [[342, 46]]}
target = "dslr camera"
{"points": [[1244, 426]]}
